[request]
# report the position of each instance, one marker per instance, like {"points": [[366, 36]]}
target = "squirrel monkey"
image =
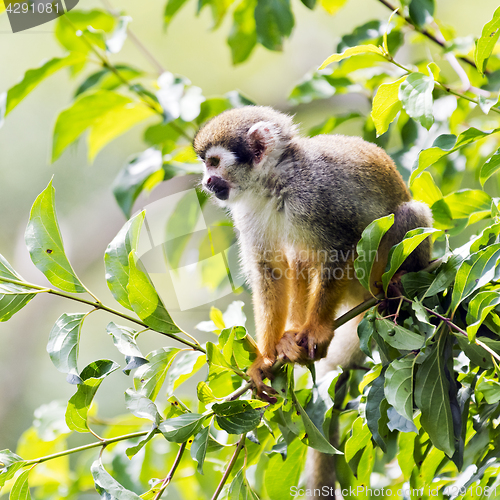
{"points": [[300, 205]]}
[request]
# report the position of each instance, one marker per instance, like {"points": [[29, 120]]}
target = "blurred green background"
{"points": [[88, 214]]}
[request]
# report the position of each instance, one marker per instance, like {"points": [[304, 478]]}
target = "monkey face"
{"points": [[221, 168], [240, 148]]}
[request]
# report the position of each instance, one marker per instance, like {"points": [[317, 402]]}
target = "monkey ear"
{"points": [[263, 138]]}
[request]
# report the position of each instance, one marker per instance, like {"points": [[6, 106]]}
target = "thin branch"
{"points": [[97, 444], [427, 34], [441, 84], [230, 466], [170, 475], [453, 326], [135, 39], [101, 306]]}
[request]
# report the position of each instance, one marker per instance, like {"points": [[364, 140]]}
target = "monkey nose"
{"points": [[218, 186]]}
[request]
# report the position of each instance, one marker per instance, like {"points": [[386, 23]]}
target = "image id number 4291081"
{"points": [[33, 7]]}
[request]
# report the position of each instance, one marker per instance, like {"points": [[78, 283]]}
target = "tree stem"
{"points": [[426, 33], [101, 306], [170, 475], [97, 444], [230, 466]]}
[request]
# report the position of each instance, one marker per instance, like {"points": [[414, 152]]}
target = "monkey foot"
{"points": [[302, 347], [260, 370]]}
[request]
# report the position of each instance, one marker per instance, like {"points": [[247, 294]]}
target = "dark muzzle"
{"points": [[219, 187]]}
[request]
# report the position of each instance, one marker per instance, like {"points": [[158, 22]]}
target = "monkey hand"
{"points": [[261, 369], [304, 345]]}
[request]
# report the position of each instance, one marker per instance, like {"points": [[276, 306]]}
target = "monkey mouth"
{"points": [[219, 187]]}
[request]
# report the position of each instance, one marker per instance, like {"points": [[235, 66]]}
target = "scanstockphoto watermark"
{"points": [[431, 491], [28, 14], [310, 264]]}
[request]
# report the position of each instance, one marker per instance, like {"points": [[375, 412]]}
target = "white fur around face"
{"points": [[226, 157]]}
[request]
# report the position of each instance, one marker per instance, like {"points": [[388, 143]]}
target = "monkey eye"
{"points": [[213, 161]]}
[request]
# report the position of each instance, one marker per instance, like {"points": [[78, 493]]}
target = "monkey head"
{"points": [[239, 147]]}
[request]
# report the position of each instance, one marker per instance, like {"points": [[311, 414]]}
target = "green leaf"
{"points": [[240, 422], [484, 46], [313, 437], [33, 77], [425, 189], [421, 12], [199, 447], [406, 443], [78, 406], [490, 167], [444, 145], [204, 393], [10, 463], [130, 182], [64, 340], [115, 122], [12, 297], [353, 51], [20, 490], [402, 250], [365, 331], [108, 487], [243, 36], [489, 389], [371, 31], [281, 475], [141, 406], [45, 245], [367, 248], [146, 302], [107, 79], [131, 451], [116, 258], [360, 436], [180, 429], [474, 272], [479, 307], [92, 23], [171, 9], [230, 408], [274, 22], [417, 284], [185, 366], [124, 340], [430, 464], [431, 397], [469, 202], [397, 336], [415, 94], [446, 276], [386, 105], [398, 387], [373, 411], [239, 489], [86, 111], [311, 88], [149, 378], [488, 236]]}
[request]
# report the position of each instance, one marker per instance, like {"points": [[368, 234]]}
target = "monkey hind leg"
{"points": [[408, 216]]}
